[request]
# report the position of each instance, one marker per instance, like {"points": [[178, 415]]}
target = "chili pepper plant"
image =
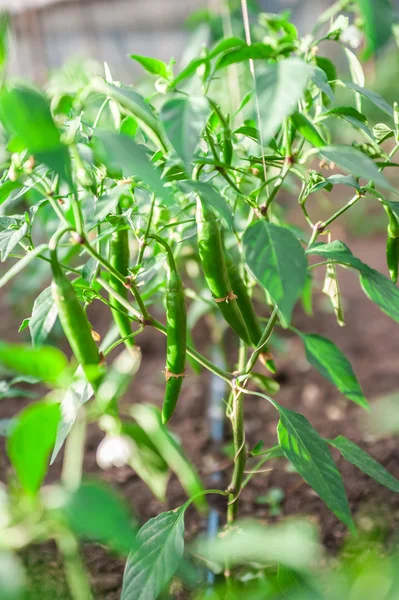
{"points": [[161, 209]]}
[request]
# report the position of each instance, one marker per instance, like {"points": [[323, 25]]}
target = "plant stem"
{"points": [[135, 315], [75, 573], [262, 342], [72, 467], [236, 415], [143, 242]]}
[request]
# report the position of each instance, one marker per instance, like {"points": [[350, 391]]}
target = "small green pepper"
{"points": [[392, 247], [247, 309], [120, 259], [213, 260], [74, 321]]}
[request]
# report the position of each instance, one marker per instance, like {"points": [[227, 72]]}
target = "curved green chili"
{"points": [[176, 335], [119, 257], [74, 321], [247, 310], [392, 247], [212, 256]]}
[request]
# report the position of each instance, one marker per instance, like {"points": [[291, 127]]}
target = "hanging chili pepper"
{"points": [[392, 247], [74, 321], [176, 334], [120, 259], [212, 256], [247, 310]]}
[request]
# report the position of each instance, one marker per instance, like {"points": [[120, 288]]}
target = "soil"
{"points": [[370, 342]]}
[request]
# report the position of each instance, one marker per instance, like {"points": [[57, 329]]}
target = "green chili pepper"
{"points": [[392, 244], [74, 321], [212, 256], [120, 259], [393, 257], [247, 310], [176, 335]]}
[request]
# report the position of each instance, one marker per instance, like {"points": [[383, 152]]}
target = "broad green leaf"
{"points": [[310, 455], [277, 260], [251, 132], [184, 119], [256, 51], [6, 188], [152, 65], [158, 555], [358, 164], [121, 152], [382, 291], [135, 106], [149, 418], [377, 287], [220, 48], [348, 180], [378, 18], [31, 441], [9, 238], [21, 264], [44, 315], [25, 113], [326, 65], [334, 366], [363, 461], [280, 87], [331, 289], [12, 577], [375, 98], [320, 79], [46, 363], [94, 512], [307, 129], [349, 115], [250, 542], [146, 461], [357, 74], [212, 198]]}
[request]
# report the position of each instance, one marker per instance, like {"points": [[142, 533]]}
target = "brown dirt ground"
{"points": [[370, 341]]}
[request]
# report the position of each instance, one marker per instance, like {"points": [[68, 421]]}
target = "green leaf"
{"points": [[307, 129], [280, 87], [277, 260], [348, 180], [135, 106], [31, 441], [46, 363], [220, 48], [149, 418], [9, 238], [184, 119], [159, 553], [326, 65], [121, 152], [25, 113], [44, 315], [212, 198], [377, 287], [292, 543], [349, 115], [152, 65], [375, 98], [358, 164], [94, 512], [6, 188], [256, 51], [363, 461], [382, 291], [378, 18], [309, 454], [334, 366], [319, 78], [21, 264], [146, 461]]}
